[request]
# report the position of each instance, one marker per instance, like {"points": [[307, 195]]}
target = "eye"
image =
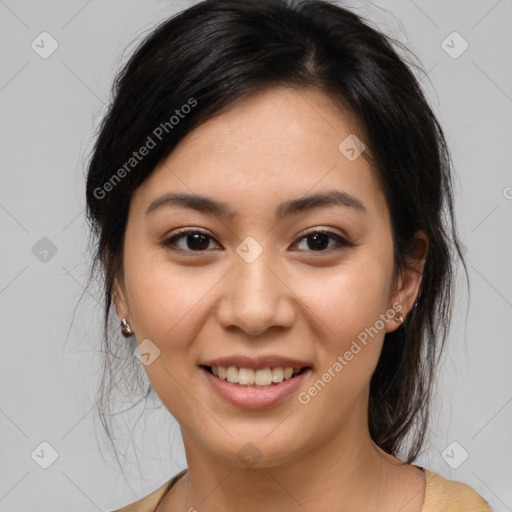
{"points": [[193, 240], [318, 240]]}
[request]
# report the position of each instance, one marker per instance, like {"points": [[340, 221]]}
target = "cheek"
{"points": [[163, 297], [347, 299], [347, 305], [168, 308], [347, 357]]}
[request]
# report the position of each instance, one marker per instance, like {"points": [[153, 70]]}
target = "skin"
{"points": [[292, 301]]}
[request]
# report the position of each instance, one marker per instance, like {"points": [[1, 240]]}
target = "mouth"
{"points": [[255, 378], [255, 384]]}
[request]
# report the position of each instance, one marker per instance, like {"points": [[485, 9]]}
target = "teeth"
{"points": [[232, 375], [248, 377], [263, 377], [277, 375]]}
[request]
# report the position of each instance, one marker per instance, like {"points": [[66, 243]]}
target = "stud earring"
{"points": [[126, 330], [398, 315]]}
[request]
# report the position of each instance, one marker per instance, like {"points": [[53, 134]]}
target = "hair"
{"points": [[218, 52]]}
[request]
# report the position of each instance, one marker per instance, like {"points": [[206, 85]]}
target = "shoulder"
{"points": [[151, 501], [443, 495]]}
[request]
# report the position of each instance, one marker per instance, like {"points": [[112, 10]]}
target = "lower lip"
{"points": [[250, 397]]}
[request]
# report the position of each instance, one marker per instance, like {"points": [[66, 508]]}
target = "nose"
{"points": [[255, 297]]}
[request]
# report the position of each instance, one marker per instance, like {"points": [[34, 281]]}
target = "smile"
{"points": [[255, 389], [263, 377]]}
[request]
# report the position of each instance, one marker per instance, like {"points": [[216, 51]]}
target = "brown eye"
{"points": [[188, 241], [319, 240]]}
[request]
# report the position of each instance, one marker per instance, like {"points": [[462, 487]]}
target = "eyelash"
{"points": [[170, 243]]}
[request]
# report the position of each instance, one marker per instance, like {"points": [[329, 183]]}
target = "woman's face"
{"points": [[254, 286]]}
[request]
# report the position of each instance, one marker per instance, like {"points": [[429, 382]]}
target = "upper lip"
{"points": [[256, 363]]}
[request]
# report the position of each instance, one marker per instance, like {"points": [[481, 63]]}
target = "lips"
{"points": [[255, 382], [254, 396]]}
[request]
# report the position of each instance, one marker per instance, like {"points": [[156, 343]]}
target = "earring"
{"points": [[398, 316], [126, 330]]}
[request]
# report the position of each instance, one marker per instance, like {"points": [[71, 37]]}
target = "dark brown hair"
{"points": [[220, 51]]}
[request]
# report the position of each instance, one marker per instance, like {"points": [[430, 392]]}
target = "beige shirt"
{"points": [[441, 495]]}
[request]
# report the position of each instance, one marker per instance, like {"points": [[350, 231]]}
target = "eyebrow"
{"points": [[291, 207]]}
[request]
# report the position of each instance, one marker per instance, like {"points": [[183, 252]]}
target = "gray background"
{"points": [[50, 362]]}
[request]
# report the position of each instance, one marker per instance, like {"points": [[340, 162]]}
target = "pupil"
{"points": [[320, 241], [197, 241]]}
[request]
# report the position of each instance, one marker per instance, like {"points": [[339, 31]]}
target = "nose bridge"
{"points": [[254, 298]]}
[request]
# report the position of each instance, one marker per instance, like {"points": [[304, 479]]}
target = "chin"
{"points": [[256, 448]]}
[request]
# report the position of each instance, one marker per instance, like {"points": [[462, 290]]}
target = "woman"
{"points": [[272, 199]]}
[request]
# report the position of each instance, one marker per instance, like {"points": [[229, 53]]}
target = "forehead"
{"points": [[273, 145], [281, 121]]}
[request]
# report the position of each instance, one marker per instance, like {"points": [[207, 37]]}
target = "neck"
{"points": [[344, 468]]}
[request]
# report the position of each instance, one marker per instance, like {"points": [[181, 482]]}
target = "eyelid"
{"points": [[325, 230]]}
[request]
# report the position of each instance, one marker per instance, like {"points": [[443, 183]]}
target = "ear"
{"points": [[409, 280], [119, 298]]}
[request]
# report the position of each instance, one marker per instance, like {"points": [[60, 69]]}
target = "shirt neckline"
{"points": [[176, 477]]}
